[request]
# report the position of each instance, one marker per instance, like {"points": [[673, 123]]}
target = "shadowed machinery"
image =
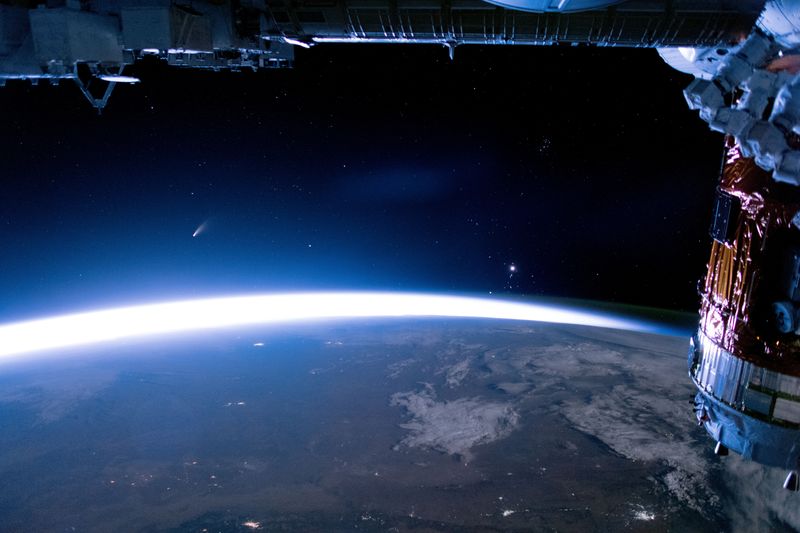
{"points": [[92, 42]]}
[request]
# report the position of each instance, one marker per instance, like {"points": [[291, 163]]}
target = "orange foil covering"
{"points": [[735, 270]]}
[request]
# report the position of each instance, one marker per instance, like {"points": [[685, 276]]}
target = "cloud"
{"points": [[453, 427], [631, 392]]}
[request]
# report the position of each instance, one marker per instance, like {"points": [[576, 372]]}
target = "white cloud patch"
{"points": [[453, 427]]}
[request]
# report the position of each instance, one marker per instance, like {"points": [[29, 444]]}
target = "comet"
{"points": [[200, 229]]}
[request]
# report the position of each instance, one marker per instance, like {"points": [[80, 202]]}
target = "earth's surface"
{"points": [[422, 425]]}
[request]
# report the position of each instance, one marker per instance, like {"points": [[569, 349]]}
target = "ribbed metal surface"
{"points": [[743, 385], [646, 24]]}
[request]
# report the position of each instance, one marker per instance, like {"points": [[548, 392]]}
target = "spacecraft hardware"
{"points": [[745, 357], [744, 54], [91, 42]]}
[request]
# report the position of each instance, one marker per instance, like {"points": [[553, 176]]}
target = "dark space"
{"points": [[563, 171]]}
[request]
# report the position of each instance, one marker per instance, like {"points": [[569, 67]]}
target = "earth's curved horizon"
{"points": [[426, 424], [125, 323]]}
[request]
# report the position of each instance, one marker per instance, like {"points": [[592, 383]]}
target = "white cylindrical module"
{"points": [[781, 20], [557, 6]]}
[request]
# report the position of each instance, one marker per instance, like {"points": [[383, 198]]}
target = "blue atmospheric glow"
{"points": [[215, 313]]}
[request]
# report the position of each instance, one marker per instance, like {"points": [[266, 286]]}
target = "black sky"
{"points": [[364, 167]]}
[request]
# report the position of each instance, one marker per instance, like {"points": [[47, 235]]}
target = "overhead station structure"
{"points": [[93, 41], [744, 54]]}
